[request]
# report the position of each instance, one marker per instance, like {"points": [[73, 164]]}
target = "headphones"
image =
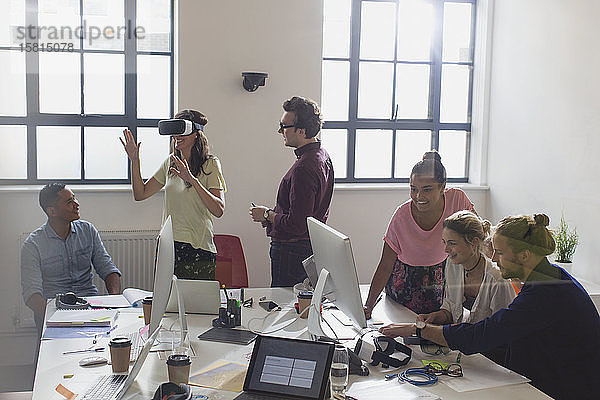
{"points": [[173, 391], [381, 352], [69, 301]]}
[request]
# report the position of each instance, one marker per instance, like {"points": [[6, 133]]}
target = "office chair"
{"points": [[231, 263]]}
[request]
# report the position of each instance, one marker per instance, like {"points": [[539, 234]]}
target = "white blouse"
{"points": [[495, 293]]}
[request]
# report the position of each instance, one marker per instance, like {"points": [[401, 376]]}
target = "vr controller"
{"points": [[178, 127]]}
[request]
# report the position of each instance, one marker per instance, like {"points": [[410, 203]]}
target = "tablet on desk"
{"points": [[228, 335]]}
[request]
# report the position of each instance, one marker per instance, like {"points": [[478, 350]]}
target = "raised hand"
{"points": [[131, 147], [181, 169]]}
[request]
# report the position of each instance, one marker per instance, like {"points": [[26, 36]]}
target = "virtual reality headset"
{"points": [[178, 127], [381, 352]]}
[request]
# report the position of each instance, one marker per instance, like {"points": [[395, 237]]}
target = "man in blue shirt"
{"points": [[552, 328], [58, 256]]}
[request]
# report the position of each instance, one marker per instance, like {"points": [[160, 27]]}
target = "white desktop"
{"points": [[163, 273], [337, 276]]}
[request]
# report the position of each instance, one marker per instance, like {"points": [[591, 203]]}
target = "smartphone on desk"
{"points": [[269, 305]]}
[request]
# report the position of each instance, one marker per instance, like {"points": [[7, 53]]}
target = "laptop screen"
{"points": [[289, 367]]}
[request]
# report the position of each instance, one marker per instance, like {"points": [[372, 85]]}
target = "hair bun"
{"points": [[541, 220], [432, 155], [487, 227]]}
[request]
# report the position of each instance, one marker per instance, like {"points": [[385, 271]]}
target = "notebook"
{"points": [[82, 318], [199, 297], [114, 386], [282, 368]]}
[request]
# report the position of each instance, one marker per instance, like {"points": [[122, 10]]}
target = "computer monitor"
{"points": [[337, 273], [163, 273]]}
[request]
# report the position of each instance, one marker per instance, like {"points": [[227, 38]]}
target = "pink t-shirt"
{"points": [[417, 247]]}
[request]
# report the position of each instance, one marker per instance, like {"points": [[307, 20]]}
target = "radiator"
{"points": [[132, 252]]}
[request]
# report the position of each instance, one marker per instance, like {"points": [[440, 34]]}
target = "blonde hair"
{"points": [[525, 232], [468, 225]]}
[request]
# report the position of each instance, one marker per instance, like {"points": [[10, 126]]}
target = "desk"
{"points": [[53, 365]]}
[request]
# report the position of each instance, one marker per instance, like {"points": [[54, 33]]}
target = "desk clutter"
{"points": [[223, 355]]}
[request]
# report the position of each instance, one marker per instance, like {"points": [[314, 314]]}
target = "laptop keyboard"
{"points": [[136, 345], [106, 387], [260, 396]]}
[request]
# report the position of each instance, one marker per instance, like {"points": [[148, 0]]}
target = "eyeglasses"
{"points": [[282, 126], [434, 349], [453, 369]]}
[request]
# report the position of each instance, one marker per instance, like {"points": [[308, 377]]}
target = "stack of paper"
{"points": [[82, 318], [388, 390]]}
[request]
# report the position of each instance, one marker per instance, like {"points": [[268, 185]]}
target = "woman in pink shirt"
{"points": [[413, 259]]}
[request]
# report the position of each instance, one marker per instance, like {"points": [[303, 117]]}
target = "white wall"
{"points": [[544, 120]]}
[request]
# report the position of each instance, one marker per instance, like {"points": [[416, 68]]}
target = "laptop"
{"points": [[282, 368], [114, 386], [199, 297]]}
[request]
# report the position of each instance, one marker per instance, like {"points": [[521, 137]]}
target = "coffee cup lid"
{"points": [[305, 295], [179, 360], [147, 300], [120, 342]]}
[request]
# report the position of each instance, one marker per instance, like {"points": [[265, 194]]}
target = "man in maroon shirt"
{"points": [[305, 191]]}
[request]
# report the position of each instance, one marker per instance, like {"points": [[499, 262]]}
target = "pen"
{"points": [[111, 329], [458, 358], [226, 295]]}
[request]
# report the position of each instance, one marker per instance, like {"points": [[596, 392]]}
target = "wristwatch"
{"points": [[266, 214], [419, 325]]}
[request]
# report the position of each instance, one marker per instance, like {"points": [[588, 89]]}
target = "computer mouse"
{"points": [[93, 360]]}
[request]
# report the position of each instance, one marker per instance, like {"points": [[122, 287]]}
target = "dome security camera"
{"points": [[252, 80]]}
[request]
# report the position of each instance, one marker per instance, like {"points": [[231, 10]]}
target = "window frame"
{"points": [[394, 125], [34, 118]]}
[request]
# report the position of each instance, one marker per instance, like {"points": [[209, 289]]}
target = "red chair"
{"points": [[231, 263]]}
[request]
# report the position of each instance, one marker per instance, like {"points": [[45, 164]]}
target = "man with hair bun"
{"points": [[305, 191], [552, 328]]}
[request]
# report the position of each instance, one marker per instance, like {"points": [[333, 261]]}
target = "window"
{"points": [[75, 74], [396, 82]]}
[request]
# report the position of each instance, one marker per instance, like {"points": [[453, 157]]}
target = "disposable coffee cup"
{"points": [[179, 368], [147, 306], [120, 347], [304, 300]]}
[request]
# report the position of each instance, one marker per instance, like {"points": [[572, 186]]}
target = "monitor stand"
{"points": [[181, 309], [314, 313]]}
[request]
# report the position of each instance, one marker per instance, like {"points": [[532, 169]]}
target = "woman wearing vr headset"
{"points": [[412, 263], [194, 191]]}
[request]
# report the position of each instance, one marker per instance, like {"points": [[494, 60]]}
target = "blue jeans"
{"points": [[286, 262]]}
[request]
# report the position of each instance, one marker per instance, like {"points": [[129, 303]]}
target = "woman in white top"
{"points": [[474, 287], [194, 193]]}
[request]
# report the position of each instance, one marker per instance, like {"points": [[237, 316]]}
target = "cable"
{"points": [[405, 376], [263, 319]]}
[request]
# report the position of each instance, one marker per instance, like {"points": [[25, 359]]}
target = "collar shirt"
{"points": [[494, 293], [52, 265], [552, 330], [305, 191]]}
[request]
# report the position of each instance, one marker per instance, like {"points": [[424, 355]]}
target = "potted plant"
{"points": [[566, 243]]}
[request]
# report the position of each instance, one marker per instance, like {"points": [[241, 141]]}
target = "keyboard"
{"points": [[105, 388], [136, 345]]}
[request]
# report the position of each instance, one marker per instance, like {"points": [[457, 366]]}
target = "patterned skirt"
{"points": [[191, 263], [420, 289]]}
